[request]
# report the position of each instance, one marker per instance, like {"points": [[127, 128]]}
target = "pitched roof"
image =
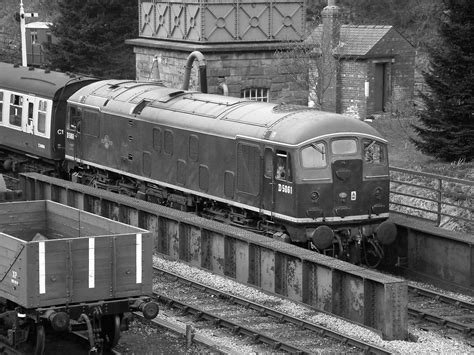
{"points": [[356, 40], [38, 25]]}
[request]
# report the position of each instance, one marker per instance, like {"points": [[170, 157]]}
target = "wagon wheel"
{"points": [[40, 339], [111, 330]]}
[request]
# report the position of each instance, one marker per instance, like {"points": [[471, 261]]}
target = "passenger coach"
{"points": [[33, 111]]}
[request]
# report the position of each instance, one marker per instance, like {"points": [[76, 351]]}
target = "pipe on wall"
{"points": [[202, 70]]}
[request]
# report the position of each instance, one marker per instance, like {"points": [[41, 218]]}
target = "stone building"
{"points": [[237, 40], [365, 69], [370, 69]]}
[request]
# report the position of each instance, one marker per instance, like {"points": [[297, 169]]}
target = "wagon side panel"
{"points": [[13, 283], [134, 264], [110, 267]]}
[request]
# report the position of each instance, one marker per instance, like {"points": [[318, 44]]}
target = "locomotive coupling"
{"points": [[149, 309]]}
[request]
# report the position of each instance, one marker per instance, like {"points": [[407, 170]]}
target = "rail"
{"points": [[445, 201]]}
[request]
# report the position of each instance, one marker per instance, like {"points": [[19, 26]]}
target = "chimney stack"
{"points": [[331, 23], [330, 65]]}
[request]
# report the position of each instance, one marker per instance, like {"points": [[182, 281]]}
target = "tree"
{"points": [[91, 37], [447, 128]]}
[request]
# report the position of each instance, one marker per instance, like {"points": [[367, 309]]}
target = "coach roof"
{"points": [[34, 81]]}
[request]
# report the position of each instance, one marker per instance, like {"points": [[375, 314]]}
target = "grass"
{"points": [[403, 153]]}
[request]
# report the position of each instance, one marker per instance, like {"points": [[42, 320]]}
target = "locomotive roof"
{"points": [[34, 81], [216, 114]]}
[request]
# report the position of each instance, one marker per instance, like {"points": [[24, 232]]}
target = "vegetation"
{"points": [[91, 37], [447, 130], [403, 153]]}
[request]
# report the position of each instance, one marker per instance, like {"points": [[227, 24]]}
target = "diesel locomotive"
{"points": [[313, 178]]}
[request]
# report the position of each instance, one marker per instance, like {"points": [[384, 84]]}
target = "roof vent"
{"points": [[139, 108]]}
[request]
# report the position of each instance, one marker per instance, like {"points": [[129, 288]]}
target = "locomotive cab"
{"points": [[336, 190]]}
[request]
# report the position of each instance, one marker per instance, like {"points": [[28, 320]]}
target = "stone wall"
{"points": [[352, 83], [239, 68]]}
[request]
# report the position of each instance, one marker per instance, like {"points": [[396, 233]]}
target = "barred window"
{"points": [[256, 94]]}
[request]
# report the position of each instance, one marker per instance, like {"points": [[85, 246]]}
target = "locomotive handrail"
{"points": [[443, 200]]}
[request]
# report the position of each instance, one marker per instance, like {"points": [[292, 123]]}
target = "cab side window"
{"points": [[282, 167], [75, 116], [374, 152], [314, 156]]}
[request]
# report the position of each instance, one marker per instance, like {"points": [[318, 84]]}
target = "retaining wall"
{"points": [[355, 293]]}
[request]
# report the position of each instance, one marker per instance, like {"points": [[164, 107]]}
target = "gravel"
{"points": [[425, 342]]}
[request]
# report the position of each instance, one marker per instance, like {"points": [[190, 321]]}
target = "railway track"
{"points": [[261, 324], [76, 343], [433, 310]]}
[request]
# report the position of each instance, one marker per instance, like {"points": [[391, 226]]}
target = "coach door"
{"points": [[30, 102]]}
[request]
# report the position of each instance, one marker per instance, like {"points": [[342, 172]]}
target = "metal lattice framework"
{"points": [[223, 21]]}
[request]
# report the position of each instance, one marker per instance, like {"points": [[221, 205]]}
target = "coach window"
{"points": [[314, 156], [31, 106], [42, 108], [282, 170], [16, 107], [1, 106]]}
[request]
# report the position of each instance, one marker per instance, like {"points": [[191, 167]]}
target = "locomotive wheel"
{"points": [[373, 253], [40, 340], [110, 330]]}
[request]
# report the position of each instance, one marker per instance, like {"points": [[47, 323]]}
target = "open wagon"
{"points": [[68, 270]]}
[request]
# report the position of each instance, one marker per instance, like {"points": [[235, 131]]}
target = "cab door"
{"points": [[268, 199], [283, 184], [73, 133]]}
